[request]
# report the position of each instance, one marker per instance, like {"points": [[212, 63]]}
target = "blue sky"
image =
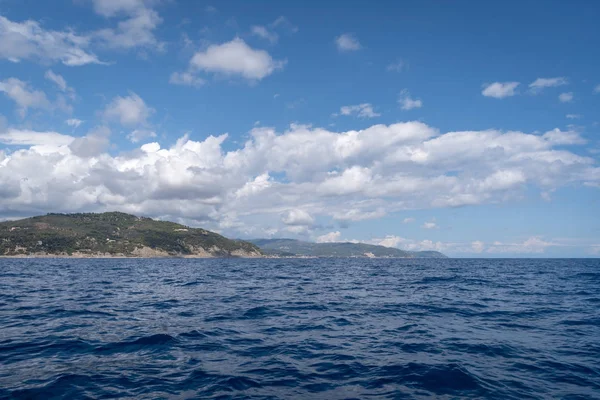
{"points": [[469, 128]]}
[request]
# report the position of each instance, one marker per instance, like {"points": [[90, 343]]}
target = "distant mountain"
{"points": [[292, 247], [114, 234]]}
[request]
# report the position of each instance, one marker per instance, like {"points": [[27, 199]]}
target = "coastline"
{"points": [[118, 256]]}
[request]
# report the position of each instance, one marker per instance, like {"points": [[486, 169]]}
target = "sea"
{"points": [[299, 328]]}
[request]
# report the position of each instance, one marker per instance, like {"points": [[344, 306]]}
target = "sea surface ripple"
{"points": [[299, 329]]}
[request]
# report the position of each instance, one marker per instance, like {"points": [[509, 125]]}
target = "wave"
{"points": [[267, 329]]}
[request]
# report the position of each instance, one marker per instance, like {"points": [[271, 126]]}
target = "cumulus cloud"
{"points": [[347, 42], [27, 40], [408, 220], [235, 58], [128, 111], [430, 225], [24, 96], [364, 110], [558, 137], [566, 97], [91, 145], [541, 83], [295, 176], [500, 90], [330, 237], [573, 116], [408, 103], [297, 217]]}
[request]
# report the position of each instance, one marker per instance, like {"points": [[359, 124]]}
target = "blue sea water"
{"points": [[299, 329]]}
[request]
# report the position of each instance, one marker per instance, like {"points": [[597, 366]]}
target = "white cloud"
{"points": [[138, 135], [408, 244], [91, 145], [430, 225], [236, 58], [136, 30], [573, 116], [129, 110], [408, 220], [74, 122], [541, 83], [534, 244], [331, 176], [27, 40], [347, 42], [283, 22], [353, 180], [558, 137], [24, 96], [253, 187], [566, 97], [330, 237], [264, 33], [364, 110], [186, 78], [111, 8], [397, 66], [500, 90], [388, 241], [597, 89], [17, 137], [297, 217], [60, 82], [477, 246], [357, 214], [408, 103], [57, 79]]}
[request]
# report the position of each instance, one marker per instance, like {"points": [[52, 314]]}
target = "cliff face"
{"points": [[114, 234]]}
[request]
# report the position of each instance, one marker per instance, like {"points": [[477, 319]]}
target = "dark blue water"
{"points": [[324, 329]]}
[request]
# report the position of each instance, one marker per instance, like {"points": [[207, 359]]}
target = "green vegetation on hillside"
{"points": [[112, 233], [292, 247]]}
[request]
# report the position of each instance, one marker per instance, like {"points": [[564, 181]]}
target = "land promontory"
{"points": [[114, 234]]}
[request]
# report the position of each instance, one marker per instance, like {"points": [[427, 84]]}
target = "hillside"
{"points": [[114, 234], [292, 247]]}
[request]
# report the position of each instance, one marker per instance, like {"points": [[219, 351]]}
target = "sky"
{"points": [[471, 128]]}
